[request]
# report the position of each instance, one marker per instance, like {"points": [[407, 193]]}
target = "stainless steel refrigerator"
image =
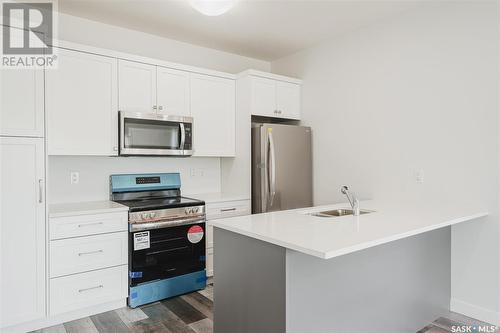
{"points": [[281, 167]]}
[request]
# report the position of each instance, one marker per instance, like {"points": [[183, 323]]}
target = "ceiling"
{"points": [[262, 29]]}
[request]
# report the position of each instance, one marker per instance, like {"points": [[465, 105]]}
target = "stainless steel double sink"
{"points": [[338, 212]]}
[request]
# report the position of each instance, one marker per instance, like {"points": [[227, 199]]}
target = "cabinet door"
{"points": [[22, 109], [172, 91], [288, 100], [22, 225], [137, 86], [213, 110], [263, 97], [82, 110]]}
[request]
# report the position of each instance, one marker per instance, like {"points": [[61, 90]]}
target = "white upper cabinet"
{"points": [[148, 88], [22, 102], [22, 221], [82, 96], [263, 96], [274, 95], [288, 100], [213, 109], [137, 82], [172, 91]]}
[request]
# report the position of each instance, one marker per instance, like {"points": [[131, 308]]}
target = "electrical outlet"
{"points": [[75, 177], [419, 176]]}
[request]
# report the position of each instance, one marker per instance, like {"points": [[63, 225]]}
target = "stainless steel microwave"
{"points": [[155, 134]]}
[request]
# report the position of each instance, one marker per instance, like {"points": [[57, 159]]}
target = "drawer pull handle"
{"points": [[228, 209], [91, 252], [89, 224], [91, 288]]}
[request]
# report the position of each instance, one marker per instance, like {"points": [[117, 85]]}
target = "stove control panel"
{"points": [[157, 215]]}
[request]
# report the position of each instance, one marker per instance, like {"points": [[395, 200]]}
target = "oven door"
{"points": [[155, 134], [166, 252]]}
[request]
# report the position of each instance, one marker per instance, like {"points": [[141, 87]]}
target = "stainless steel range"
{"points": [[166, 236]]}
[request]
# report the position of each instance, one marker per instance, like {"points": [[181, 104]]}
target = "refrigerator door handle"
{"points": [[271, 169]]}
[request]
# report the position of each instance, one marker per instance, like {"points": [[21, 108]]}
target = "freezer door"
{"points": [[282, 167]]}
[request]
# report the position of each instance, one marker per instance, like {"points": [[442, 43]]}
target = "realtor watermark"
{"points": [[474, 328], [28, 34]]}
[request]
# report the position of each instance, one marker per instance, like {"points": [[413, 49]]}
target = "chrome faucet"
{"points": [[353, 200]]}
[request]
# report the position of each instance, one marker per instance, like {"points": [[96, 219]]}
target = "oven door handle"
{"points": [[165, 223], [183, 136], [167, 250]]}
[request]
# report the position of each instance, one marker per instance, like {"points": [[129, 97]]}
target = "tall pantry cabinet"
{"points": [[22, 197]]}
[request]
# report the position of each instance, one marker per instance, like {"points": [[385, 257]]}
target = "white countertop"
{"points": [[328, 237], [84, 208], [218, 197]]}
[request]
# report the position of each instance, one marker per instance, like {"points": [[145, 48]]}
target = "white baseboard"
{"points": [[474, 311], [65, 317]]}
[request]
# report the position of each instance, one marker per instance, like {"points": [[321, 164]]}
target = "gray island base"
{"points": [[395, 287]]}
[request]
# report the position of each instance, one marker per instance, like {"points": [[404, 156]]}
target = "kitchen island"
{"points": [[292, 271]]}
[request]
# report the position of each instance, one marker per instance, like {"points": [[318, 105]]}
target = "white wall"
{"points": [[83, 31], [418, 91], [95, 171]]}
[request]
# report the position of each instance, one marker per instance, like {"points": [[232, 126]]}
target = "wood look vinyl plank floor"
{"points": [[193, 313]]}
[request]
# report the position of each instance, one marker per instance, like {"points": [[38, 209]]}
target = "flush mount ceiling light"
{"points": [[212, 7]]}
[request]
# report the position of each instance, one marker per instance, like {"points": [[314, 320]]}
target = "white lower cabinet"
{"points": [[22, 230], [88, 261], [85, 225], [88, 289], [220, 210], [76, 255]]}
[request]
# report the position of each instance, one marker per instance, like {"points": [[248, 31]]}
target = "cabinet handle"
{"points": [[40, 190], [160, 107], [91, 288], [228, 209], [154, 107], [91, 252], [89, 224]]}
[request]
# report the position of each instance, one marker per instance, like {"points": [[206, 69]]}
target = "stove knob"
{"points": [[144, 216], [196, 210], [152, 215]]}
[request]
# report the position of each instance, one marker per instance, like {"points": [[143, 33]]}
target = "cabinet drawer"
{"points": [[222, 210], [76, 255], [87, 289], [83, 225], [225, 209]]}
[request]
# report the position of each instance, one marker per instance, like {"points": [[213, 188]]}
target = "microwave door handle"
{"points": [[183, 135]]}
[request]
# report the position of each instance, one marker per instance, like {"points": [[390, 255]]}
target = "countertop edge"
{"points": [[74, 211], [217, 197], [351, 249], [385, 240]]}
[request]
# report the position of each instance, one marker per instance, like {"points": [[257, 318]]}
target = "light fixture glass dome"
{"points": [[212, 7]]}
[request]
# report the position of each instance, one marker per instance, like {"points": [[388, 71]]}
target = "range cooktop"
{"points": [[136, 205]]}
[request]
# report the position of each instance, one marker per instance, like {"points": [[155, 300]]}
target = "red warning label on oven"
{"points": [[195, 234]]}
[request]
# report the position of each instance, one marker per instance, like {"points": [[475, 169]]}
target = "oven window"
{"points": [[151, 134]]}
